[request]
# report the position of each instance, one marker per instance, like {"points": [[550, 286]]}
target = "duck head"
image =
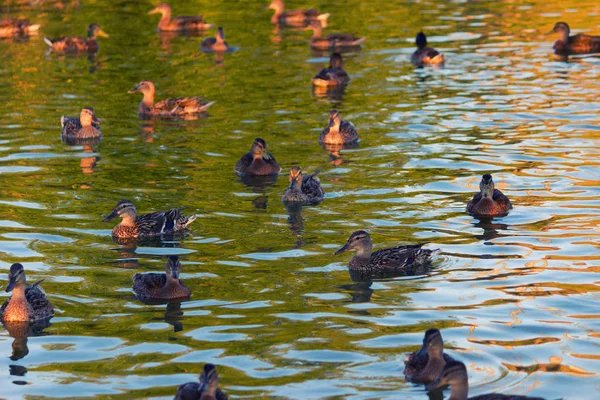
{"points": [[454, 375], [334, 119], [143, 87], [434, 343], [259, 149], [562, 28], [421, 40], [94, 30], [359, 241], [173, 267], [16, 277], [487, 186], [295, 177], [124, 209], [209, 383], [87, 116], [162, 8], [335, 61]]}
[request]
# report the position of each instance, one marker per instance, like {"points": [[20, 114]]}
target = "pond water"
{"points": [[516, 298]]}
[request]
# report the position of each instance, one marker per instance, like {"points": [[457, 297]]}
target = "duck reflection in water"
{"points": [[335, 157], [90, 146], [20, 331], [490, 229]]}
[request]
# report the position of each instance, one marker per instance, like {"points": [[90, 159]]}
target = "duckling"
{"points": [[258, 161], [178, 24], [17, 27], [399, 258], [28, 302], [490, 202], [338, 131], [154, 224], [577, 44], [455, 375], [215, 44], [161, 286], [74, 44], [207, 389], [425, 55], [305, 189], [334, 75], [298, 18], [333, 40], [84, 127], [175, 107], [426, 364]]}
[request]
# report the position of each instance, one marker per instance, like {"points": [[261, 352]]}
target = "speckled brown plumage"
{"points": [[74, 44], [297, 18], [576, 44], [28, 302], [338, 131], [84, 127], [17, 27], [489, 202], [168, 108], [305, 189], [333, 40], [168, 23], [426, 364]]}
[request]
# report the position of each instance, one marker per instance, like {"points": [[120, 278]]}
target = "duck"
{"points": [[147, 225], [84, 127], [298, 18], [333, 40], [206, 389], [305, 189], [215, 44], [175, 107], [577, 44], [426, 364], [28, 303], [165, 286], [334, 75], [17, 27], [338, 131], [425, 55], [489, 202], [258, 161], [178, 24], [74, 44], [399, 258], [454, 375]]}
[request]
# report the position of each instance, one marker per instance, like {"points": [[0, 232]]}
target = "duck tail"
{"points": [[33, 28], [322, 18], [48, 42], [358, 42], [63, 119]]}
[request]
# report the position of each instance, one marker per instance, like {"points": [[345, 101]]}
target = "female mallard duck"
{"points": [[334, 75], [178, 24], [425, 55], [305, 189], [333, 40], [258, 161], [84, 127], [215, 44], [155, 286], [28, 302], [206, 389], [74, 44], [397, 258], [426, 364], [17, 27], [154, 224], [338, 131], [577, 44], [454, 375], [490, 202], [297, 18], [175, 107]]}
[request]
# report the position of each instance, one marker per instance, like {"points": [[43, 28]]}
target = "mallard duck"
{"points": [[333, 40], [305, 189], [338, 131], [176, 107], [454, 374], [206, 389], [489, 202], [425, 55], [298, 18], [178, 24], [426, 364], [154, 224], [577, 44], [334, 75], [28, 302], [215, 44], [17, 27], [74, 44], [84, 127], [161, 286], [258, 161], [393, 259]]}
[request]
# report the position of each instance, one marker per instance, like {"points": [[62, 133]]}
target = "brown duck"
{"points": [[333, 40], [74, 44], [167, 286], [489, 202], [304, 189], [206, 389], [334, 74], [17, 27], [174, 107], [215, 44], [338, 131], [28, 302], [426, 364], [577, 44], [84, 127], [297, 18], [178, 24], [258, 161], [425, 55]]}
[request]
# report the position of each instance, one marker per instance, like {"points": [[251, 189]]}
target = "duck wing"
{"points": [[161, 222], [182, 105], [36, 296], [70, 126], [144, 284], [68, 43], [190, 23], [501, 199], [311, 186], [244, 162], [582, 43], [400, 256], [476, 199], [348, 131]]}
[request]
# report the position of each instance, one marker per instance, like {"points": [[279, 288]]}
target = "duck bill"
{"points": [[154, 11], [111, 216], [102, 33], [174, 274], [265, 155], [96, 120], [11, 285], [134, 90], [341, 250]]}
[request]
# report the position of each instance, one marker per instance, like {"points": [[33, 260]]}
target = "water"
{"points": [[516, 299]]}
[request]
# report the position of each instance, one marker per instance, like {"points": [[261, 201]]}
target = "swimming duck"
{"points": [[161, 286], [206, 389], [305, 189], [454, 374], [17, 27], [258, 161], [338, 131], [178, 24], [74, 44], [426, 364], [334, 75], [393, 259], [215, 44], [175, 107], [298, 18], [333, 40], [154, 224], [84, 127], [425, 55], [489, 202], [577, 44], [28, 302]]}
